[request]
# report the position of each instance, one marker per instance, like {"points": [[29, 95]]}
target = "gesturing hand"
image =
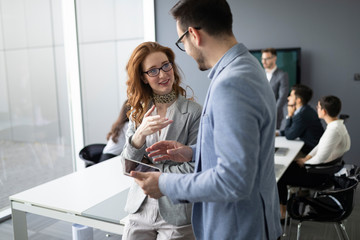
{"points": [[149, 125], [170, 150]]}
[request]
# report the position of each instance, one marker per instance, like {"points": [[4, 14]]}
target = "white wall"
{"points": [[31, 71], [108, 33]]}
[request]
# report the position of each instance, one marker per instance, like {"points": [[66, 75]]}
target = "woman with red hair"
{"points": [[159, 111]]}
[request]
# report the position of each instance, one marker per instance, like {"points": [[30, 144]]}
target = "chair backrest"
{"points": [[329, 168], [327, 206], [344, 193], [344, 117], [91, 153]]}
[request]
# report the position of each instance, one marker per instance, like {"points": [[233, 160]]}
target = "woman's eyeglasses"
{"points": [[156, 71]]}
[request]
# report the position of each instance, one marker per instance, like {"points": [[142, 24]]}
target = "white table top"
{"points": [[79, 191], [294, 147]]}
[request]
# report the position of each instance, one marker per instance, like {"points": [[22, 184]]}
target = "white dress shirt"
{"points": [[116, 148], [270, 73], [161, 135], [333, 144]]}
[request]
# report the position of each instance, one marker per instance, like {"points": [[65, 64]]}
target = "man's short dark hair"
{"points": [[303, 92], [331, 104], [269, 50], [213, 16]]}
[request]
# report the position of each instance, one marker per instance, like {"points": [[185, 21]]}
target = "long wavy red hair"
{"points": [[140, 94]]}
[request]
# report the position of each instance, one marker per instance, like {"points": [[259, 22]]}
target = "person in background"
{"points": [[333, 144], [279, 81], [233, 188], [302, 121], [116, 136], [159, 111]]}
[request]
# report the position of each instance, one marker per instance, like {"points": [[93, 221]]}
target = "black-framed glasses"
{"points": [[179, 42], [267, 59], [156, 71]]}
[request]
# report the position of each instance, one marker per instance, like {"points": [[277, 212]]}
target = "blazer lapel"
{"points": [[180, 118]]}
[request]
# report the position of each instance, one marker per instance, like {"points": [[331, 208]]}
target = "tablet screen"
{"points": [[132, 165], [280, 151]]}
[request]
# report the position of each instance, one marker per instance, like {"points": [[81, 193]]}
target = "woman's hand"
{"points": [[302, 161], [149, 125]]}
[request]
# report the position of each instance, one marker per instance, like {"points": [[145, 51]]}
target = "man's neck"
{"points": [[216, 48], [270, 69], [329, 119], [298, 105]]}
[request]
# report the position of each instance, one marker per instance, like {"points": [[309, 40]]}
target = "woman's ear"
{"points": [[144, 80]]}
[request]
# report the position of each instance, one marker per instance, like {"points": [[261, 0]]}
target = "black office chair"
{"points": [[92, 154], [333, 205], [328, 169], [344, 117]]}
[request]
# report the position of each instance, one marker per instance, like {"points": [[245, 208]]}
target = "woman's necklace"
{"points": [[167, 98]]}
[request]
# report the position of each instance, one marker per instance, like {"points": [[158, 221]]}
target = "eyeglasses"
{"points": [[266, 59], [156, 71], [179, 43]]}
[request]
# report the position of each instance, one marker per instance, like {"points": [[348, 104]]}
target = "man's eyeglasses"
{"points": [[179, 42], [156, 71], [266, 59]]}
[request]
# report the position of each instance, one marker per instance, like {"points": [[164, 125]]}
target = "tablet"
{"points": [[132, 165], [280, 151]]}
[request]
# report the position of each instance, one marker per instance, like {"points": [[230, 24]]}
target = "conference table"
{"points": [[96, 196], [292, 147], [93, 197]]}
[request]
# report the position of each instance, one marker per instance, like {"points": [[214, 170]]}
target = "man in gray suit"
{"points": [[279, 81]]}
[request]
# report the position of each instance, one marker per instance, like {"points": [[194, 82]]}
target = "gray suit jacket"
{"points": [[233, 188], [184, 129], [280, 85]]}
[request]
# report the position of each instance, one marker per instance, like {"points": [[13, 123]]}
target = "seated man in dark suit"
{"points": [[302, 120]]}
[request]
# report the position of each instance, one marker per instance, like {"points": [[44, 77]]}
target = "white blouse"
{"points": [[333, 144], [116, 148], [161, 135]]}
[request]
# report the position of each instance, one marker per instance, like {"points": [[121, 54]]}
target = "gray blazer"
{"points": [[184, 129], [280, 85]]}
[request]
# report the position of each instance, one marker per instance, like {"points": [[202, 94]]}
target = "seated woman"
{"points": [[333, 144], [159, 111], [116, 136]]}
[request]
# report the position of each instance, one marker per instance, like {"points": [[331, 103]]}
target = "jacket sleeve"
{"points": [[129, 150], [294, 127], [283, 91]]}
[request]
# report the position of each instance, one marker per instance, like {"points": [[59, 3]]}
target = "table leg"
{"points": [[19, 224]]}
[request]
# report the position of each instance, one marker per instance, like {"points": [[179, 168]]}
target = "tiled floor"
{"points": [[43, 228]]}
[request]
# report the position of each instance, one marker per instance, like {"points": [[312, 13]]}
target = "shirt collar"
{"points": [[225, 60], [297, 110], [271, 71]]}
